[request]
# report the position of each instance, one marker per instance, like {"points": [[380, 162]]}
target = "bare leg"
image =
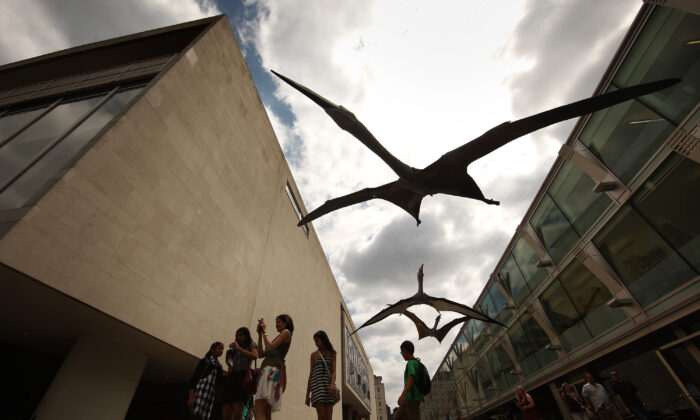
{"points": [[238, 410], [261, 410], [226, 411], [320, 412], [329, 412]]}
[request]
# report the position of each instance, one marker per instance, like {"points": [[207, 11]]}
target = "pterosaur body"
{"points": [[438, 333], [448, 174], [422, 298]]}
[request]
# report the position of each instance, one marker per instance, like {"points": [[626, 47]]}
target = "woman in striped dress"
{"points": [[322, 377]]}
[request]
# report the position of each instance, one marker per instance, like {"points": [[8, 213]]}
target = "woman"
{"points": [[322, 377], [272, 376], [573, 401], [243, 351], [526, 404], [203, 383]]}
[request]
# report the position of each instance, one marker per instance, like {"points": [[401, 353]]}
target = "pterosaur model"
{"points": [[421, 298], [448, 174], [424, 331]]}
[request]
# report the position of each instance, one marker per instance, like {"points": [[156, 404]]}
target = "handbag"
{"points": [[250, 380], [336, 391]]}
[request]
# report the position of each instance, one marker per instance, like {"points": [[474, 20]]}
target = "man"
{"points": [[410, 398], [447, 415], [458, 415], [598, 400], [633, 400]]}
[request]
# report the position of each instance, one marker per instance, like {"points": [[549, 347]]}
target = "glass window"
{"points": [[553, 229], [501, 365], [590, 298], [499, 302], [487, 306], [564, 317], [663, 50], [677, 181], [647, 265], [572, 190], [529, 341], [526, 258], [296, 207], [514, 281], [625, 136], [31, 181], [11, 123]]}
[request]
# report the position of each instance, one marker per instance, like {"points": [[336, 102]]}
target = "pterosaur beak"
{"points": [[320, 100]]}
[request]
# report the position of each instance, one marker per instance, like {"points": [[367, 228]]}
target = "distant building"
{"points": [[146, 211], [382, 408], [604, 271]]}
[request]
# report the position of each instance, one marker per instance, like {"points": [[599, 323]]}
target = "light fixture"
{"points": [[543, 263], [689, 43], [604, 186], [647, 121], [619, 302], [552, 347], [509, 306]]}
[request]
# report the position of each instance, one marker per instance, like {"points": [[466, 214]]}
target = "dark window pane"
{"points": [[572, 190], [10, 124], [514, 281], [625, 136], [501, 365], [662, 51], [30, 182], [643, 260], [590, 298], [677, 181], [526, 258], [564, 317], [487, 306], [529, 341], [553, 229], [499, 302]]}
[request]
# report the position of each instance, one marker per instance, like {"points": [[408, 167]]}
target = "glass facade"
{"points": [[529, 341]]}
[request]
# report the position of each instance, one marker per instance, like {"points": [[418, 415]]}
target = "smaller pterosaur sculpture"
{"points": [[438, 333], [448, 174], [422, 298]]}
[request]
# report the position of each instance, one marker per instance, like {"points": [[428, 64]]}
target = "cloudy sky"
{"points": [[424, 77]]}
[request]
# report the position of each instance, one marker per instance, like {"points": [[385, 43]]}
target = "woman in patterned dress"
{"points": [[272, 376], [203, 383], [322, 377]]}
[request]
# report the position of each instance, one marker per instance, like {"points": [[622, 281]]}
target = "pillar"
{"points": [[97, 379]]}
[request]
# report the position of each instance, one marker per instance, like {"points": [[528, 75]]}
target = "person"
{"points": [[321, 381], [598, 400], [458, 415], [577, 407], [526, 404], [410, 398], [242, 352], [202, 385], [447, 415], [631, 399], [272, 379]]}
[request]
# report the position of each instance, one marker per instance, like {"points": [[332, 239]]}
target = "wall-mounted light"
{"points": [[619, 302], [543, 263], [689, 43], [646, 121], [604, 186], [510, 306], [552, 347]]}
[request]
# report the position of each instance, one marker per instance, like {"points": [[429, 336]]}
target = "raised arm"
{"points": [[308, 383]]}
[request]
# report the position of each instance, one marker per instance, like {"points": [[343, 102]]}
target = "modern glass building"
{"points": [[604, 271], [147, 211]]}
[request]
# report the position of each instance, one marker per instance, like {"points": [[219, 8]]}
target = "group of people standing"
{"points": [[594, 401], [271, 378]]}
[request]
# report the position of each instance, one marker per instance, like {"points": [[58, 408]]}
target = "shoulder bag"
{"points": [[336, 391]]}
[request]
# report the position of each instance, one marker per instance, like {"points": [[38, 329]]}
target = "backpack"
{"points": [[423, 379]]}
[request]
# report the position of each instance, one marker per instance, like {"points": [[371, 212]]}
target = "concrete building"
{"points": [[382, 407], [604, 271], [146, 211]]}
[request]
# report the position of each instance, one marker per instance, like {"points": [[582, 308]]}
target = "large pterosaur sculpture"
{"points": [[422, 298], [438, 333], [448, 174]]}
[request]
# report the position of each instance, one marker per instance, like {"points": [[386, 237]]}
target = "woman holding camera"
{"points": [[320, 388], [272, 376], [242, 352]]}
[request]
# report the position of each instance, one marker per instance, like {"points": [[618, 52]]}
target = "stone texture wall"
{"points": [[177, 222]]}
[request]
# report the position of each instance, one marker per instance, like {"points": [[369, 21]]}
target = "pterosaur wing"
{"points": [[442, 331], [392, 192], [397, 308], [442, 305], [348, 122], [509, 131], [423, 330]]}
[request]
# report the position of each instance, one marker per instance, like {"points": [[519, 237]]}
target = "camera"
{"points": [[259, 327]]}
